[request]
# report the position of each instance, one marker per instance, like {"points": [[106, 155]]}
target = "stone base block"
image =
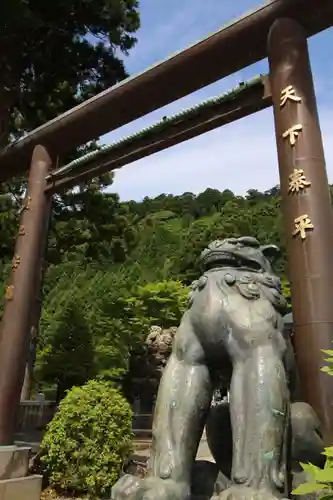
{"points": [[14, 462], [23, 488]]}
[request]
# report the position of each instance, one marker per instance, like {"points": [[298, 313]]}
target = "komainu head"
{"points": [[240, 253]]}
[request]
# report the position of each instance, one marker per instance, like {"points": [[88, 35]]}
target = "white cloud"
{"points": [[239, 156]]}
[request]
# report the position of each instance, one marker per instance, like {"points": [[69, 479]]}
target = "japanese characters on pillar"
{"points": [[298, 181], [307, 211], [16, 260]]}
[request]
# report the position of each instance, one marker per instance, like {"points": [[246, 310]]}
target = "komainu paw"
{"points": [[149, 488], [245, 493]]}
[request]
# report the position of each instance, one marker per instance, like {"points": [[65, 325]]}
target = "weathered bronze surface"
{"points": [[307, 212], [233, 326], [22, 293]]}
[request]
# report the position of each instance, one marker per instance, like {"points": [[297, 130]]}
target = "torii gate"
{"points": [[274, 30]]}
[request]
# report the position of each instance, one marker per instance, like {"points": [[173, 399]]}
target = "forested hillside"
{"points": [[114, 269]]}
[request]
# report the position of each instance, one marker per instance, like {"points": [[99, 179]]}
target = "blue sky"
{"points": [[212, 160]]}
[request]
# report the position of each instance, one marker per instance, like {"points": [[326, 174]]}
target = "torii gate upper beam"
{"points": [[233, 47]]}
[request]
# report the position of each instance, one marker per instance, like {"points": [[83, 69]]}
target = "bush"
{"points": [[88, 440]]}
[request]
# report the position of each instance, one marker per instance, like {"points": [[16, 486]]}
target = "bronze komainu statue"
{"points": [[233, 327]]}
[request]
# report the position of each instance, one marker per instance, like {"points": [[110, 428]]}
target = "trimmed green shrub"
{"points": [[87, 442]]}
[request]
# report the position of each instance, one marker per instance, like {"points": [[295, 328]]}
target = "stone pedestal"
{"points": [[14, 482], [14, 462]]}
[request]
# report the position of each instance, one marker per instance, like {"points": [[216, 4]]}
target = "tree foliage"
{"points": [[67, 357], [319, 480], [328, 367], [53, 56], [117, 268]]}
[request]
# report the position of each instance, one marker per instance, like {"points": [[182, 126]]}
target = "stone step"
{"points": [[14, 461], [140, 433], [33, 445], [142, 445], [22, 488]]}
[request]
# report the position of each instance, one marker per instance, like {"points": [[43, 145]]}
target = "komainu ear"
{"points": [[271, 252]]}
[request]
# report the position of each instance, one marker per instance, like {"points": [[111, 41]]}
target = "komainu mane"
{"points": [[233, 327]]}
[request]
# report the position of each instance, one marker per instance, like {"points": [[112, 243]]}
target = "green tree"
{"points": [[52, 58], [67, 358], [55, 56], [91, 225], [159, 303], [93, 301], [162, 303], [107, 293], [10, 201]]}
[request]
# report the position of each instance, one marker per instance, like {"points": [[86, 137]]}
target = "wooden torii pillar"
{"points": [[22, 292], [307, 211]]}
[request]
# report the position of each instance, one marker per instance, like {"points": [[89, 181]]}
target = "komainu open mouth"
{"points": [[215, 258]]}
